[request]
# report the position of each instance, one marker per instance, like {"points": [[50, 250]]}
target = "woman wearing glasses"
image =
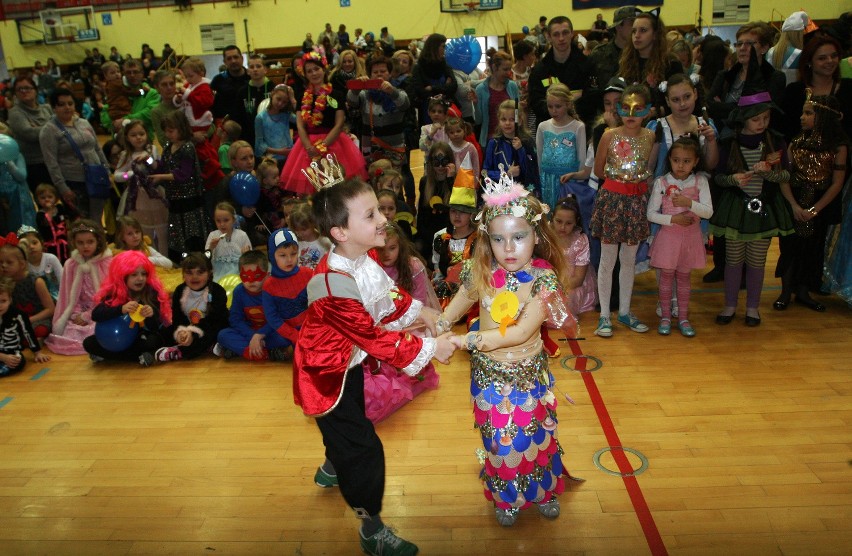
{"points": [[752, 38], [26, 119]]}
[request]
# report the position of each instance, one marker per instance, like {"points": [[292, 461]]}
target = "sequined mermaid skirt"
{"points": [[515, 412]]}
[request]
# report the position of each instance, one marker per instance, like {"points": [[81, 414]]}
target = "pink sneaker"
{"points": [[169, 354]]}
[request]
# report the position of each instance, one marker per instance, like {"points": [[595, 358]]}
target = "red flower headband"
{"points": [[311, 56]]}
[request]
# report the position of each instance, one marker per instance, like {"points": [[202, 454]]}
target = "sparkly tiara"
{"points": [[809, 93], [325, 173], [81, 227], [505, 197]]}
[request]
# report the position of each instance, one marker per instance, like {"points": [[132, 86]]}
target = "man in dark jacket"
{"points": [[562, 64]]}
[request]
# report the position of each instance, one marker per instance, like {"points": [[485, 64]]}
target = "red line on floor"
{"points": [[640, 506]]}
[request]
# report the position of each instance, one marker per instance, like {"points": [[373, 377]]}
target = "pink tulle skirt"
{"points": [[70, 342], [348, 155], [387, 389]]}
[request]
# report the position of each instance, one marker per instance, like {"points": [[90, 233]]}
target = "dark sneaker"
{"points": [[280, 354], [324, 480], [386, 543], [146, 359]]}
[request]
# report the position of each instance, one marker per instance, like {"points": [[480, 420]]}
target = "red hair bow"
{"points": [[10, 239]]}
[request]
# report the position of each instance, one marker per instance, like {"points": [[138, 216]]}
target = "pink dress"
{"points": [[350, 158], [584, 297], [80, 282], [678, 247], [386, 388]]}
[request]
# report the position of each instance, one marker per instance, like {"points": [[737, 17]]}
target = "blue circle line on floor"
{"points": [[4, 401], [40, 374]]}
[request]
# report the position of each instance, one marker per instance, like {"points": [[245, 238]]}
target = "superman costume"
{"points": [[246, 319], [285, 297]]}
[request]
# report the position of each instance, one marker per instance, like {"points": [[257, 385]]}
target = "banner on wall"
{"points": [[597, 4]]}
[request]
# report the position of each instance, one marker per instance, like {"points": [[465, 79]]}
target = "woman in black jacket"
{"points": [[432, 76]]}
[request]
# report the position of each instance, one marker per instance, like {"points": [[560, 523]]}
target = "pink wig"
{"points": [[114, 292]]}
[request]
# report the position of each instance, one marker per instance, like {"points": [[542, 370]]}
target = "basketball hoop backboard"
{"points": [[468, 6], [69, 25]]}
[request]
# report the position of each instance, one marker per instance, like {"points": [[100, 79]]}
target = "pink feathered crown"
{"points": [[505, 197]]}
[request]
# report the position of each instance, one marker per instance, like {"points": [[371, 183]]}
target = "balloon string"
{"points": [[268, 231]]}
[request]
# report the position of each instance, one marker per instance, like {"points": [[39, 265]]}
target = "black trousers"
{"points": [[354, 448]]}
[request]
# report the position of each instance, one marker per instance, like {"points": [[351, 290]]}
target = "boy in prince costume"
{"points": [[515, 275], [355, 310]]}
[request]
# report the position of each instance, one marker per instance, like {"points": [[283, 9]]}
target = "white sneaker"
{"points": [[217, 350], [604, 329]]}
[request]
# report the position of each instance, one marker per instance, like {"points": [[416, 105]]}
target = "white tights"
{"points": [[627, 257]]}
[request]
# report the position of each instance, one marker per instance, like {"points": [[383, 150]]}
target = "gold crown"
{"points": [[325, 173]]}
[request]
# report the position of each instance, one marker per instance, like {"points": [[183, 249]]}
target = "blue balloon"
{"points": [[463, 53], [116, 334], [245, 189]]}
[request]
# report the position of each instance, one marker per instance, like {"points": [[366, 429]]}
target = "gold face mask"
{"points": [[633, 105]]}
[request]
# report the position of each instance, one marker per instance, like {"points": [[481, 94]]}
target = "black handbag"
{"points": [[98, 184]]}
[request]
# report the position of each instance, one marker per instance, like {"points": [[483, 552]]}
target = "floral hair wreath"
{"points": [[445, 102], [312, 56], [505, 197], [693, 77]]}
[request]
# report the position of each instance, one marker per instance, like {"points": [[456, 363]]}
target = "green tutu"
{"points": [[733, 219]]}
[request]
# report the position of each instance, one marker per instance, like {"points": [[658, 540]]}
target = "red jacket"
{"points": [[336, 323]]}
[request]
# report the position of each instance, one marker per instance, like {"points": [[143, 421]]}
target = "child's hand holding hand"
{"points": [[444, 348], [130, 307], [565, 178], [683, 219], [514, 170], [428, 318], [516, 143], [41, 357], [147, 311], [256, 345]]}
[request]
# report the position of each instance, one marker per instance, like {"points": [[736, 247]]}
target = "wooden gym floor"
{"points": [[746, 434]]}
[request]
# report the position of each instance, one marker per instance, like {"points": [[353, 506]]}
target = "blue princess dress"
{"points": [[561, 149]]}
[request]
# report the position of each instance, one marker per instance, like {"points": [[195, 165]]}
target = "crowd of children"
{"points": [[514, 229]]}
